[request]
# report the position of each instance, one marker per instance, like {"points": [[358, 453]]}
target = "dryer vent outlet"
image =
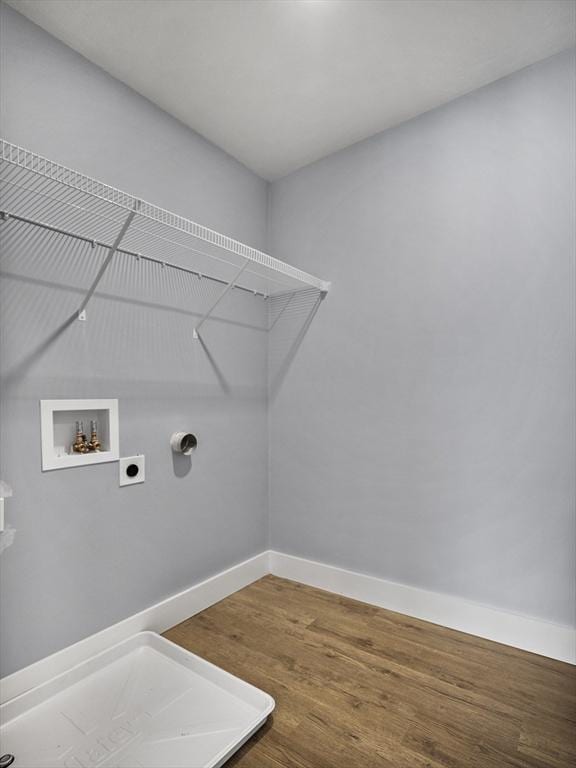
{"points": [[183, 442]]}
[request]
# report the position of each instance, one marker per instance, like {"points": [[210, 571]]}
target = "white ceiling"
{"points": [[281, 83]]}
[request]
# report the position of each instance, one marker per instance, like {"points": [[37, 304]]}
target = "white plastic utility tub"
{"points": [[144, 703]]}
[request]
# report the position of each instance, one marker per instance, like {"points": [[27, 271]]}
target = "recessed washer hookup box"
{"points": [[144, 703]]}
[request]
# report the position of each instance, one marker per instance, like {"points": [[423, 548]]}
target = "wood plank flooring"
{"points": [[357, 685]]}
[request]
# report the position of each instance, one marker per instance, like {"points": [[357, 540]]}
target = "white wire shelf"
{"points": [[46, 194]]}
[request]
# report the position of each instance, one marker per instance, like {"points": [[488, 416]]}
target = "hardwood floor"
{"points": [[357, 685]]}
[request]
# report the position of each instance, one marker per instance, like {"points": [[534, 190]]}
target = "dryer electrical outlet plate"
{"points": [[132, 470]]}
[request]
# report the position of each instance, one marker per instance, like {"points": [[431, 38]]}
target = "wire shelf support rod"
{"points": [[106, 263]]}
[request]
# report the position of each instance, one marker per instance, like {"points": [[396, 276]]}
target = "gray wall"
{"points": [[424, 431], [421, 417], [86, 552]]}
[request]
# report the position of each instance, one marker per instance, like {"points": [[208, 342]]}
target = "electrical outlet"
{"points": [[132, 470]]}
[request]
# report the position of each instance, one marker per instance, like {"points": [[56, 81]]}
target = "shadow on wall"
{"points": [[181, 464], [45, 276], [290, 317]]}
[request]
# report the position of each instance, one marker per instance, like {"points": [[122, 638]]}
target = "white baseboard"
{"points": [[157, 618], [535, 635], [529, 634]]}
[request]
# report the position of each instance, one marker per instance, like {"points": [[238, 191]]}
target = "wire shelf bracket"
{"points": [[106, 263], [226, 290]]}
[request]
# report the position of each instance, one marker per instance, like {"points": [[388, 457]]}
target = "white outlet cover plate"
{"points": [[123, 465], [145, 703]]}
